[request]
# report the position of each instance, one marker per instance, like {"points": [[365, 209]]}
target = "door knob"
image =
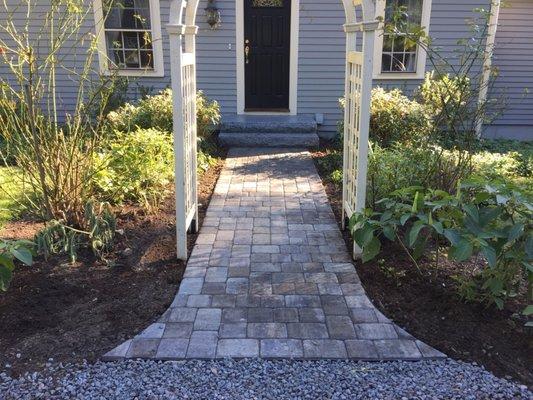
{"points": [[246, 51]]}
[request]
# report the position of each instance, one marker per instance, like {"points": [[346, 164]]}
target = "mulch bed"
{"points": [[427, 306], [74, 312]]}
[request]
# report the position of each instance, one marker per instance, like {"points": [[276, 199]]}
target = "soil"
{"points": [[67, 312], [427, 305]]}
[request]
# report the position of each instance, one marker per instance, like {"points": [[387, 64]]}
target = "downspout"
{"points": [[487, 63]]}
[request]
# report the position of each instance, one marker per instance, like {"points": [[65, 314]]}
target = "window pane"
{"points": [[114, 40], [267, 3], [387, 42], [386, 63], [132, 58], [130, 40], [116, 59], [147, 59]]}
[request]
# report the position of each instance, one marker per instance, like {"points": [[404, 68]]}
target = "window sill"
{"points": [[399, 76], [136, 73]]}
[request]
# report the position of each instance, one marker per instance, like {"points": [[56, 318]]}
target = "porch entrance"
{"points": [[267, 33]]}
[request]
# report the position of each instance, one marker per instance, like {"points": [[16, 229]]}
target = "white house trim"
{"points": [[421, 53], [293, 70], [487, 62], [157, 43]]}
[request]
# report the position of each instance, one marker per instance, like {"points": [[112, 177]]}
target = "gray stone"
{"points": [[324, 349], [397, 349], [233, 330], [172, 349], [281, 348], [143, 348], [312, 315], [286, 315], [375, 331], [208, 319], [340, 327], [179, 330], [307, 330], [267, 330], [203, 344], [182, 314], [238, 348], [361, 349], [302, 301]]}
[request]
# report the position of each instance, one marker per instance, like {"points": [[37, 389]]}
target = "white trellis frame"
{"points": [[182, 34], [358, 89], [359, 66]]}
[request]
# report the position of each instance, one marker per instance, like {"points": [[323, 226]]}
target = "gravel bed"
{"points": [[262, 379]]}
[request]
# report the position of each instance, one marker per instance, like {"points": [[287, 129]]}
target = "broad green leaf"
{"points": [[490, 255], [472, 211], [7, 261], [528, 310], [453, 236], [462, 251], [499, 303], [22, 254], [437, 225], [414, 208], [415, 230], [515, 232], [371, 249], [364, 235], [419, 247], [404, 218], [529, 247], [388, 232]]}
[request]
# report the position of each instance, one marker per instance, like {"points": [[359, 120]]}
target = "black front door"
{"points": [[267, 25]]}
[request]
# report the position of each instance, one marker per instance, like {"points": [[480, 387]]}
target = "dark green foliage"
{"points": [[492, 222]]}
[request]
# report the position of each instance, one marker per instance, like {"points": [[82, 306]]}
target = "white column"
{"points": [[175, 33], [369, 34]]}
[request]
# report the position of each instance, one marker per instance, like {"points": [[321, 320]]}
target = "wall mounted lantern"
{"points": [[212, 14]]}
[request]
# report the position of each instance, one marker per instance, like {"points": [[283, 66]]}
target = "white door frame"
{"points": [[293, 70]]}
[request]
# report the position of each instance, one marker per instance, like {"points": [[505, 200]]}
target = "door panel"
{"points": [[267, 54]]}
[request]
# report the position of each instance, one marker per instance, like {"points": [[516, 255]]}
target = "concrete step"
{"points": [[268, 139], [268, 123]]}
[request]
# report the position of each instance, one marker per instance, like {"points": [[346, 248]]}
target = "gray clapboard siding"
{"points": [[513, 56]]}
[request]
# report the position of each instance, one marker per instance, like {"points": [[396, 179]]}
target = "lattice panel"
{"points": [[352, 123], [189, 122]]}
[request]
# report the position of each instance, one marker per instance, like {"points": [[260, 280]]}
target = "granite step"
{"points": [[268, 139]]}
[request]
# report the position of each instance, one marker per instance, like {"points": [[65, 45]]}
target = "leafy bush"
{"points": [[396, 167], [97, 234], [396, 119], [485, 220], [138, 166], [9, 251], [156, 112]]}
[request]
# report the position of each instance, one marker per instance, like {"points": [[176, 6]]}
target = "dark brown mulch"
{"points": [[75, 312], [428, 306]]}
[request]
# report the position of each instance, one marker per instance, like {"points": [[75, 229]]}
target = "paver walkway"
{"points": [[270, 276]]}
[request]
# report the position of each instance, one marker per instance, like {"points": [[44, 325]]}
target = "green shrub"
{"points": [[138, 166], [396, 119], [156, 112], [392, 168], [150, 112], [207, 115], [490, 221]]}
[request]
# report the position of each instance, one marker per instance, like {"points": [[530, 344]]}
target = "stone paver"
{"points": [[270, 277]]}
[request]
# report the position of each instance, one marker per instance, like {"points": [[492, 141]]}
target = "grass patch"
{"points": [[10, 191]]}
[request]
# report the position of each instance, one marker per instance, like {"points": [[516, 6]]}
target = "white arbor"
{"points": [[359, 65]]}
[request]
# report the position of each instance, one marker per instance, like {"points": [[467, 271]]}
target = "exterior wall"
{"points": [[513, 56], [321, 57]]}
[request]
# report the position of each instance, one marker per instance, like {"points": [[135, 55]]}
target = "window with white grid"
{"points": [[129, 34]]}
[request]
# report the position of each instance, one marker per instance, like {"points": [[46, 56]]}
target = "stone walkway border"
{"points": [[270, 277]]}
